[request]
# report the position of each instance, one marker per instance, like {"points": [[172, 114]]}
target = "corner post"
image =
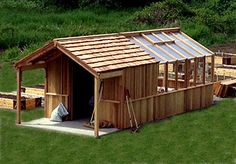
{"points": [[166, 76], [212, 68], [96, 107], [195, 71], [18, 102], [186, 73], [45, 92], [176, 74], [204, 71]]}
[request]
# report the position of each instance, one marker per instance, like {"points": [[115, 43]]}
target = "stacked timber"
{"points": [[8, 101], [225, 88], [34, 90]]}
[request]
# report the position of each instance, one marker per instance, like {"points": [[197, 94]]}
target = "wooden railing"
{"points": [[168, 104]]}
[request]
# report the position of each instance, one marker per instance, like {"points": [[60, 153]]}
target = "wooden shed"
{"points": [[164, 70]]}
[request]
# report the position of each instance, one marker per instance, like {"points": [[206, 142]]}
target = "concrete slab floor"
{"points": [[73, 127]]}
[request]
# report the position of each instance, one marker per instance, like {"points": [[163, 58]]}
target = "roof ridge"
{"points": [[118, 34]]}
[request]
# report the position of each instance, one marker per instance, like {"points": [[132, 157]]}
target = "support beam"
{"points": [[195, 72], [96, 107], [186, 73], [166, 76], [18, 102], [212, 68], [45, 91], [204, 70], [33, 66], [111, 74], [176, 74]]}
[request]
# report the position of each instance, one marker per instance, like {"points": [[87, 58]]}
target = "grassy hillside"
{"points": [[23, 31], [26, 25]]}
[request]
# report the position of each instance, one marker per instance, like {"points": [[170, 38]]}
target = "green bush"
{"points": [[213, 19], [85, 3], [163, 13], [20, 4], [11, 54]]}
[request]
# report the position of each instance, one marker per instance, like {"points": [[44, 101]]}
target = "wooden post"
{"points": [[176, 74], [204, 70], [186, 73], [195, 72], [166, 76], [96, 107], [18, 102], [212, 68], [45, 91]]}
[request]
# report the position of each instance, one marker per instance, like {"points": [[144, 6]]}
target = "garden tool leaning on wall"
{"points": [[131, 113]]}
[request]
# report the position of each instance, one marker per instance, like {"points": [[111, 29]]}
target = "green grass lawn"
{"points": [[207, 136]]}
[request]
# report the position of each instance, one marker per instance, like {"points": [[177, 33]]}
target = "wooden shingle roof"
{"points": [[100, 53], [106, 52]]}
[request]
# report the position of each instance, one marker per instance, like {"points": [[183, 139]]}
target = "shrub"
{"points": [[163, 13], [10, 54], [20, 4], [105, 3]]}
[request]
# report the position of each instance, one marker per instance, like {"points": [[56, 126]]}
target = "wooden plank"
{"points": [[33, 66], [148, 80], [111, 101], [179, 102], [133, 33], [203, 97], [19, 79], [195, 71], [204, 70], [143, 80], [45, 91], [143, 111], [156, 108], [101, 48], [95, 43], [150, 110], [176, 74], [98, 45], [166, 77], [186, 73], [61, 72], [162, 106], [56, 94], [112, 36], [96, 106], [157, 70], [137, 112], [111, 74], [212, 68]]}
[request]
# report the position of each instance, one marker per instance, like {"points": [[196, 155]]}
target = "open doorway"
{"points": [[83, 92]]}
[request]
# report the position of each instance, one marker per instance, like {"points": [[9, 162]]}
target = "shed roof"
{"points": [[99, 53]]}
